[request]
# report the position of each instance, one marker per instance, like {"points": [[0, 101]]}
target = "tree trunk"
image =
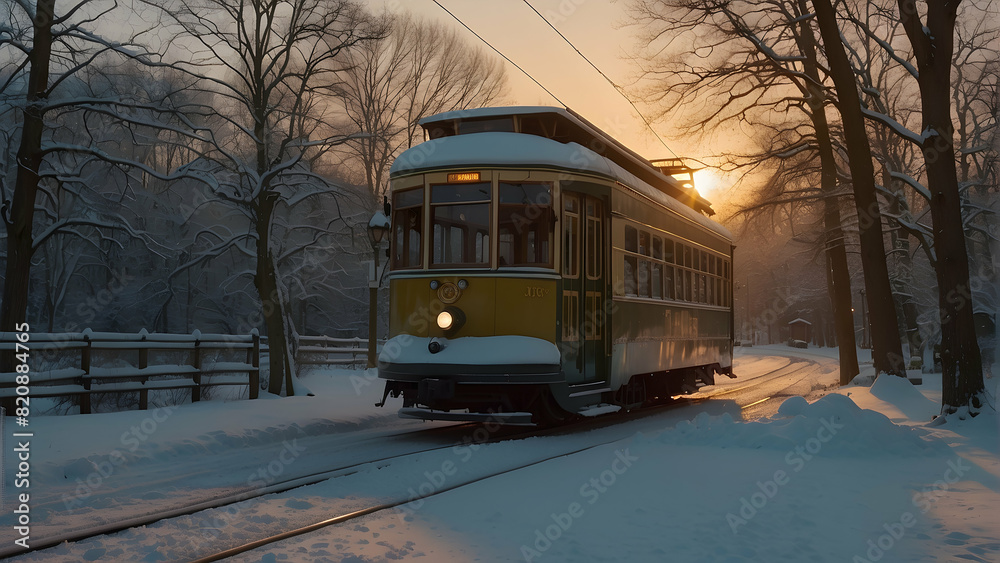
{"points": [[838, 274], [17, 273], [887, 351], [267, 288], [840, 295], [903, 278], [14, 307], [961, 363]]}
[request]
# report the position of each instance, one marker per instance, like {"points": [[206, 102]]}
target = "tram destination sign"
{"points": [[463, 177]]}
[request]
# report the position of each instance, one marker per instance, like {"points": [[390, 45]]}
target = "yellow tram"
{"points": [[539, 269]]}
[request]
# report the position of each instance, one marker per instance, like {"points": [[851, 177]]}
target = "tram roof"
{"points": [[572, 127], [500, 149]]}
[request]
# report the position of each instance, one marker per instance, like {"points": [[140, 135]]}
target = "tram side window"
{"points": [[644, 243], [446, 129], [460, 219], [502, 124], [657, 278], [679, 280], [631, 239], [525, 224], [643, 278], [407, 227], [630, 276], [668, 282], [726, 287], [668, 251], [657, 275]]}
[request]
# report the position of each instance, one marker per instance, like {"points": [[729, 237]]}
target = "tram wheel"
{"points": [[547, 412]]}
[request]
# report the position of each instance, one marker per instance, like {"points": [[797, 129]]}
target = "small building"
{"points": [[800, 330]]}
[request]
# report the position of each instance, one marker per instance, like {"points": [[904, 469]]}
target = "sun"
{"points": [[709, 182]]}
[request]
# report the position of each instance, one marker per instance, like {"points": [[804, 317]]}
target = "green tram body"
{"points": [[575, 279]]}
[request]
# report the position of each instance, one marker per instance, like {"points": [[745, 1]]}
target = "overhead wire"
{"points": [[556, 98], [617, 88]]}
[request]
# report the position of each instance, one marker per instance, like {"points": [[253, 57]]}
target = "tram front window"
{"points": [[460, 223], [526, 220]]}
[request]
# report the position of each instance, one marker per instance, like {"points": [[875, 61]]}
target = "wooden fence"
{"points": [[90, 378], [141, 377], [329, 350]]}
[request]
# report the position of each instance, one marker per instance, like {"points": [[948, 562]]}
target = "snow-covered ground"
{"points": [[858, 475]]}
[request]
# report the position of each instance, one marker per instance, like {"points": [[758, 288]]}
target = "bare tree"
{"points": [[932, 40], [770, 70], [57, 148], [933, 59], [269, 61], [887, 348], [419, 69]]}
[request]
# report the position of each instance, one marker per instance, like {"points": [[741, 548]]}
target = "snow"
{"points": [[379, 221], [469, 350], [500, 149], [493, 149], [860, 474], [898, 128]]}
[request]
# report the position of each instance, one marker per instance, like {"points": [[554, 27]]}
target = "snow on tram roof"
{"points": [[492, 149]]}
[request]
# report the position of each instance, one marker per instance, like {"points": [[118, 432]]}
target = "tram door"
{"points": [[584, 321]]}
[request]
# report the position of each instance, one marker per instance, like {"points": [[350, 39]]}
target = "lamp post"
{"points": [[864, 320], [753, 331], [378, 227]]}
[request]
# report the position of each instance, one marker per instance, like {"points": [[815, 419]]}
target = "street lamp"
{"points": [[864, 319], [378, 228]]}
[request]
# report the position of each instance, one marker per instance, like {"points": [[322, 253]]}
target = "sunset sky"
{"points": [[599, 29]]}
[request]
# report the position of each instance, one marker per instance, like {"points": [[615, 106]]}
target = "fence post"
{"points": [[196, 390], [143, 363], [85, 379], [253, 358]]}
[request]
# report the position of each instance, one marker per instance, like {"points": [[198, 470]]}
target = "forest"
{"points": [[210, 165], [873, 158], [213, 164]]}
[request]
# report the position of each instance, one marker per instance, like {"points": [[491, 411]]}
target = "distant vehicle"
{"points": [[539, 269]]}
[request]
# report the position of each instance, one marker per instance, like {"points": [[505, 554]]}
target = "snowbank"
{"points": [[833, 426]]}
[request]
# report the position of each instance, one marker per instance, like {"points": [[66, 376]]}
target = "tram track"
{"points": [[464, 433], [578, 426], [228, 499], [383, 506], [499, 434]]}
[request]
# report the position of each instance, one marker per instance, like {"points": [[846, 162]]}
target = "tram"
{"points": [[541, 270]]}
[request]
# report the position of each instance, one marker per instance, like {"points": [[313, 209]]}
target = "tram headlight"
{"points": [[445, 320], [450, 320]]}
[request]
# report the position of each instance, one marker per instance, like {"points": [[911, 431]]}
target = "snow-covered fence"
{"points": [[329, 350], [88, 378]]}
